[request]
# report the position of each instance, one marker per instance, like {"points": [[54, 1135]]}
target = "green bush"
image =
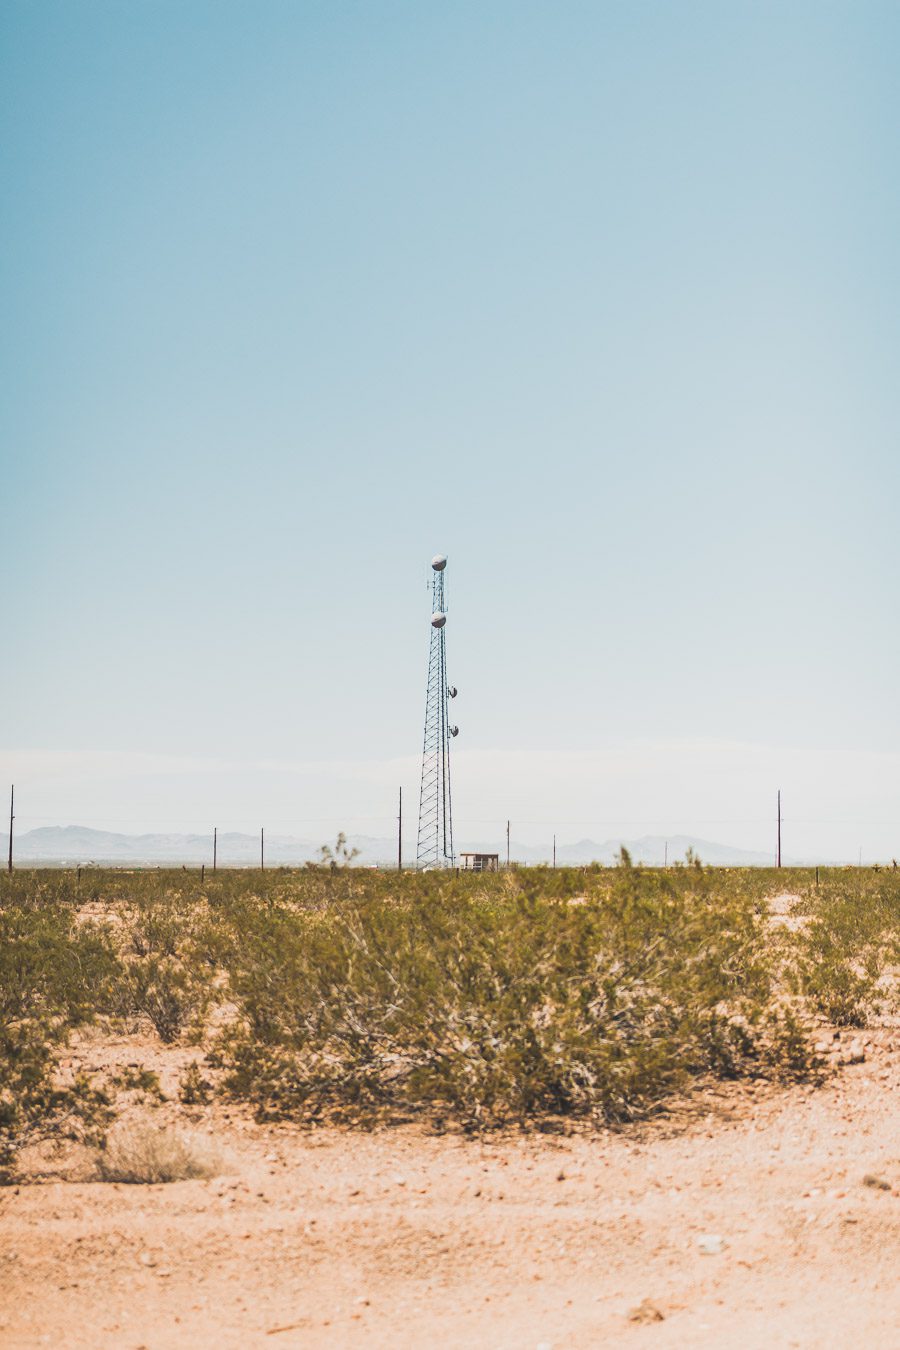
{"points": [[157, 925], [849, 946], [502, 1007], [161, 988], [143, 1081], [53, 975], [194, 1089]]}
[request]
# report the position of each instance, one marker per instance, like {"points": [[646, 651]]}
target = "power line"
{"points": [[657, 822]]}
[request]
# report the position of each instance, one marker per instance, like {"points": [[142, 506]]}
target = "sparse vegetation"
{"points": [[164, 989], [848, 950], [194, 1089], [137, 1078], [342, 855], [54, 975], [144, 1154], [523, 997], [499, 1004]]}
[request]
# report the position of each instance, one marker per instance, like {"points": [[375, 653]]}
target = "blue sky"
{"points": [[602, 300]]}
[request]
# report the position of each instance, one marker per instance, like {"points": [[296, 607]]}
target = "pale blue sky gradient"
{"points": [[602, 300]]}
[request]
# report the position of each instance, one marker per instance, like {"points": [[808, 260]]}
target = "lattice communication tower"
{"points": [[435, 845]]}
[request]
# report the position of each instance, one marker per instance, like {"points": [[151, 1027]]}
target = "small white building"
{"points": [[479, 862]]}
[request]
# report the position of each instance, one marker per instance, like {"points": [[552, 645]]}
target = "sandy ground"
{"points": [[401, 1239]]}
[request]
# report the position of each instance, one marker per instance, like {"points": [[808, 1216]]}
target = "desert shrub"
{"points": [[847, 952], [39, 890], [785, 1042], [194, 1089], [50, 965], [157, 926], [53, 976], [503, 1006], [841, 989], [143, 1154], [137, 1078], [170, 994]]}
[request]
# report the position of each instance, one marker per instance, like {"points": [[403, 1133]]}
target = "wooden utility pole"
{"points": [[12, 799], [778, 853], [507, 843], [554, 850], [400, 832], [215, 844], [262, 849], [666, 855]]}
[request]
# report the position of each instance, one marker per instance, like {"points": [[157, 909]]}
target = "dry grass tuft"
{"points": [[144, 1154]]}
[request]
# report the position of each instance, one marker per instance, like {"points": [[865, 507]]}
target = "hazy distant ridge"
{"points": [[78, 844]]}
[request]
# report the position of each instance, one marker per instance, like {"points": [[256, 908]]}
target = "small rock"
{"points": [[646, 1312], [710, 1244], [877, 1183], [856, 1054], [148, 1259]]}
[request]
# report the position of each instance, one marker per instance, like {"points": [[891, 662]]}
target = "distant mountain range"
{"points": [[651, 849], [72, 844]]}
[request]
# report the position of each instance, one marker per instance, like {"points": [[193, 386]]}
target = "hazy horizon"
{"points": [[71, 845]]}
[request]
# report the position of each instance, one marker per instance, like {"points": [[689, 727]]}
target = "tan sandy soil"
{"points": [[402, 1239]]}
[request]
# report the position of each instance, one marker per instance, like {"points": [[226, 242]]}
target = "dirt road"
{"points": [[748, 1223]]}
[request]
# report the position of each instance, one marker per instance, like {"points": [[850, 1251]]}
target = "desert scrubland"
{"points": [[538, 1108]]}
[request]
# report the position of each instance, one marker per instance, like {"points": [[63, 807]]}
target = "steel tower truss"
{"points": [[435, 843]]}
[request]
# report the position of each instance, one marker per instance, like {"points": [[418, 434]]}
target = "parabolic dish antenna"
{"points": [[438, 620], [439, 562]]}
